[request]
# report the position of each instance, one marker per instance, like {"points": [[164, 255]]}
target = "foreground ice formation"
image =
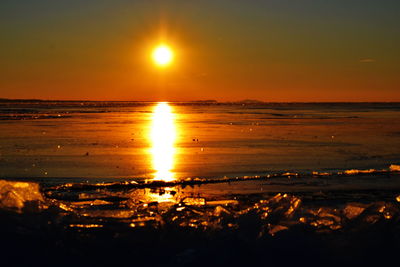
{"points": [[182, 225], [267, 213], [19, 195]]}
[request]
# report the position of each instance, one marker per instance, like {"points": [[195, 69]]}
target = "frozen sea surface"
{"points": [[110, 141], [199, 184]]}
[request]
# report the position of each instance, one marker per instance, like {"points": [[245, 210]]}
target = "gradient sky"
{"points": [[272, 50]]}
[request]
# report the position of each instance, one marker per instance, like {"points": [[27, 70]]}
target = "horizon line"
{"points": [[244, 101]]}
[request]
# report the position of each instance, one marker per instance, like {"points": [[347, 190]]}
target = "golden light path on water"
{"points": [[163, 136]]}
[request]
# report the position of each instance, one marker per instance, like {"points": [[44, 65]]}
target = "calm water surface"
{"points": [[168, 141]]}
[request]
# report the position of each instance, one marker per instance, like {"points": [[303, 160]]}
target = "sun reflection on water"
{"points": [[163, 135], [167, 194]]}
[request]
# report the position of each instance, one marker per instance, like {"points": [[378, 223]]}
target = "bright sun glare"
{"points": [[162, 55], [163, 134]]}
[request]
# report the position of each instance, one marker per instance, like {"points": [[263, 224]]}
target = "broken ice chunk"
{"points": [[19, 195], [394, 168], [194, 201], [220, 211], [277, 228], [223, 202], [352, 211]]}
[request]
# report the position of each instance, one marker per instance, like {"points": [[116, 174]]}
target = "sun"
{"points": [[162, 55]]}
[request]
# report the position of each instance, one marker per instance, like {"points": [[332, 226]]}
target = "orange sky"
{"points": [[101, 50]]}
